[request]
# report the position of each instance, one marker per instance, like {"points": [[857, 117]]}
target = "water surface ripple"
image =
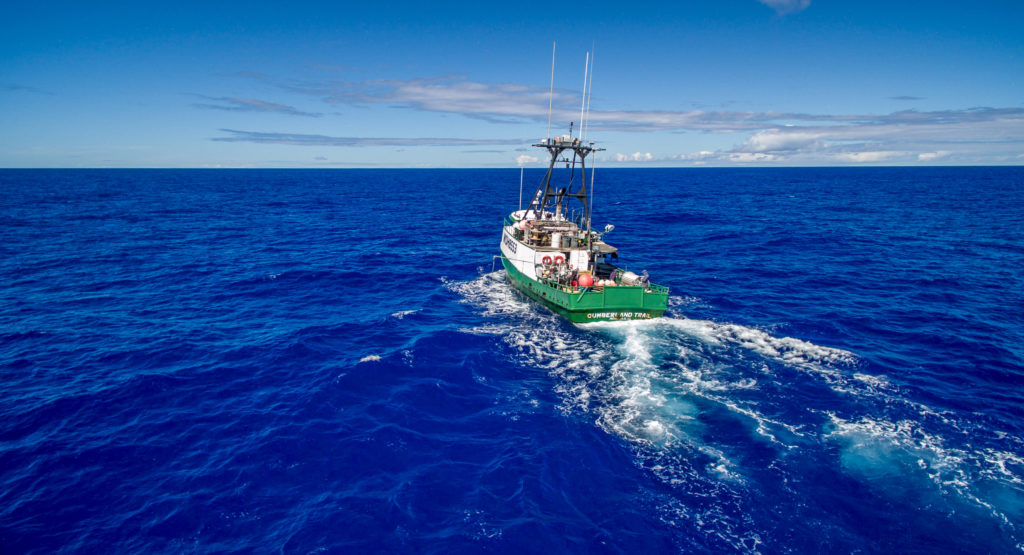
{"points": [[302, 361]]}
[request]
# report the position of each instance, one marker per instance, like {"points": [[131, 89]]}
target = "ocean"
{"points": [[303, 361]]}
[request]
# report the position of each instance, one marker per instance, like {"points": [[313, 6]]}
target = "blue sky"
{"points": [[452, 84]]}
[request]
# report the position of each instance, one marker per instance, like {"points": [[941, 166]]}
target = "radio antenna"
{"points": [[551, 93], [583, 104], [590, 92]]}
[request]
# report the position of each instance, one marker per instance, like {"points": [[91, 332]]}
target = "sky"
{"points": [[381, 84]]}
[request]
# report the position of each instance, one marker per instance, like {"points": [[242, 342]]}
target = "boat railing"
{"points": [[657, 288], [648, 288]]}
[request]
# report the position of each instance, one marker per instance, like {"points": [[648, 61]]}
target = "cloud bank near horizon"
{"points": [[299, 139], [903, 137]]}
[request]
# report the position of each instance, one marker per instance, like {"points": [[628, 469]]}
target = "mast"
{"points": [[548, 196]]}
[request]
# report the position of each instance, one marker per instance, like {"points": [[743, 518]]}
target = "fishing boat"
{"points": [[552, 255]]}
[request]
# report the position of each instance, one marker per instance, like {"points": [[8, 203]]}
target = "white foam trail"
{"points": [[788, 350], [889, 454], [696, 375], [649, 383], [489, 329], [997, 461], [490, 292], [879, 446], [642, 408], [644, 382]]}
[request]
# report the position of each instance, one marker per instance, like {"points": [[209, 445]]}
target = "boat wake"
{"points": [[720, 411]]}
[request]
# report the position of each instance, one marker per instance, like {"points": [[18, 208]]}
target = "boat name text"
{"points": [[618, 315], [510, 243]]}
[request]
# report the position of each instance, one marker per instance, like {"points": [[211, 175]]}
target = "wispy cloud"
{"points": [[783, 7], [514, 103], [16, 87], [298, 139], [496, 102], [906, 136], [906, 97], [237, 104]]}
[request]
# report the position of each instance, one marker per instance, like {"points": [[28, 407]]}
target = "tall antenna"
{"points": [[590, 92], [551, 93], [583, 104]]}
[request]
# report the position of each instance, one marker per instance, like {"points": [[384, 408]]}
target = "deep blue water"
{"points": [[304, 361]]}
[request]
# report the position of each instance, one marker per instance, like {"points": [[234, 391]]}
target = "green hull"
{"points": [[613, 303]]}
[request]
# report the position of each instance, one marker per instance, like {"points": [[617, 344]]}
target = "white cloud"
{"points": [[930, 156], [786, 6], [525, 159], [789, 138], [635, 157], [701, 156], [751, 157], [507, 101], [867, 156]]}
